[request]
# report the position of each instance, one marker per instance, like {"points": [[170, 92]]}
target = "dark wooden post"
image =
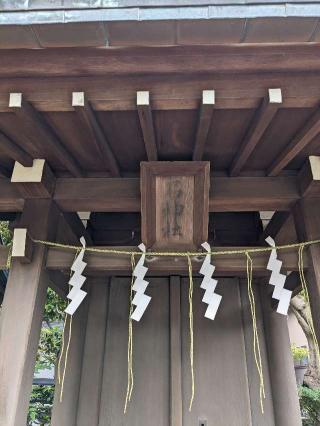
{"points": [[281, 369], [307, 222], [22, 313]]}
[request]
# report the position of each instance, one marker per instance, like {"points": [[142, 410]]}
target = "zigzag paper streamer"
{"points": [[278, 280], [140, 300], [77, 280], [209, 284]]}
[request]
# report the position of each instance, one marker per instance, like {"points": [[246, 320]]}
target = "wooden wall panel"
{"points": [[150, 398], [93, 354], [221, 382], [226, 381], [257, 418]]}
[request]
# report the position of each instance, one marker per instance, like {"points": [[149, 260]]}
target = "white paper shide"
{"points": [[76, 281], [140, 300], [209, 284], [278, 280]]}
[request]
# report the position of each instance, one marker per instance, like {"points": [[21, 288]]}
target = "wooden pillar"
{"points": [[281, 368], [22, 314], [307, 222]]}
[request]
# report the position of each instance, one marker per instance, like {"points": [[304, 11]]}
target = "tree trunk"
{"points": [[303, 315]]}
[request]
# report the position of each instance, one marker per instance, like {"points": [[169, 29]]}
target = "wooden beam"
{"points": [[226, 194], [205, 117], [123, 195], [162, 59], [88, 119], [179, 92], [36, 181], [35, 124], [147, 127], [298, 143], [59, 259], [258, 126], [14, 151]]}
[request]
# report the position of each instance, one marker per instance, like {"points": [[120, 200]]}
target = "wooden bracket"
{"points": [[37, 181], [22, 245], [309, 177]]}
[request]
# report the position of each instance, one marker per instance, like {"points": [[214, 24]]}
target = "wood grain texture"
{"points": [[184, 59], [307, 223], [99, 263], [37, 129], [26, 302], [175, 352], [88, 119], [282, 377], [123, 195], [219, 360], [150, 398], [257, 418], [12, 150], [93, 353], [298, 143], [204, 122], [258, 126], [174, 203], [65, 412], [147, 126]]}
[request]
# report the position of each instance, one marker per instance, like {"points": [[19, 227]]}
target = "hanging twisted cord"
{"points": [[191, 331], [256, 344], [179, 253], [305, 289], [130, 343]]}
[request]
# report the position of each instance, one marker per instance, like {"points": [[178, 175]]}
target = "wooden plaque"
{"points": [[174, 204]]}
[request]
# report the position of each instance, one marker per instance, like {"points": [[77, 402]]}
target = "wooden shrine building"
{"points": [[169, 123]]}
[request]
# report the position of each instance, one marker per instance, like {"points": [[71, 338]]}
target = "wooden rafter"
{"points": [[276, 223], [147, 127], [298, 143], [88, 119], [14, 151], [205, 117], [258, 126], [33, 121]]}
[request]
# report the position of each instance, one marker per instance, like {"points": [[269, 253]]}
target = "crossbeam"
{"points": [[123, 194], [110, 264]]}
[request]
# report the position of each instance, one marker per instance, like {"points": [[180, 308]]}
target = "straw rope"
{"points": [[191, 331], [178, 253], [256, 344], [130, 344]]}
